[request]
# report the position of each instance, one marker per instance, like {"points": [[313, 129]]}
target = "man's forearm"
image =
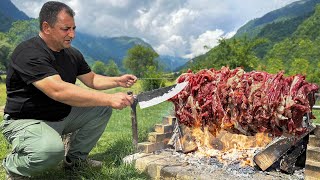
{"points": [[99, 82], [71, 94], [59, 90], [104, 82], [77, 96]]}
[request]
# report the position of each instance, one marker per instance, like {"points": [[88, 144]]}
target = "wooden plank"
{"points": [[277, 148], [273, 152], [288, 162]]}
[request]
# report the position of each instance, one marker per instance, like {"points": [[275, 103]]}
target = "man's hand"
{"points": [[121, 100], [127, 80]]}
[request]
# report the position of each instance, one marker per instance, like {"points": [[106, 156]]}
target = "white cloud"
{"points": [[172, 27], [173, 46], [206, 41]]}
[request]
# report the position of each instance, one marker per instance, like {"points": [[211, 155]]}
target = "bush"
{"points": [[99, 67], [150, 84], [153, 79]]}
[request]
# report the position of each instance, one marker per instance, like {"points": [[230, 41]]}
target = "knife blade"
{"points": [[154, 97]]}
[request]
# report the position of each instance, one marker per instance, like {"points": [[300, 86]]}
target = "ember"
{"points": [[226, 147], [244, 102]]}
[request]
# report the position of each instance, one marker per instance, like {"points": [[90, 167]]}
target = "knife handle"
{"points": [[130, 93]]}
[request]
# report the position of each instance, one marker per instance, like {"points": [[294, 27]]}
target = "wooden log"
{"points": [[288, 163], [188, 142], [277, 148]]}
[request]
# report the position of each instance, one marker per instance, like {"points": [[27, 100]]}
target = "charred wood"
{"points": [[280, 147], [288, 163]]}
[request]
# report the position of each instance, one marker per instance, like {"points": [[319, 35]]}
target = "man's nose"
{"points": [[72, 33]]}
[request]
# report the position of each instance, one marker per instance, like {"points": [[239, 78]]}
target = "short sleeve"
{"points": [[33, 65]]}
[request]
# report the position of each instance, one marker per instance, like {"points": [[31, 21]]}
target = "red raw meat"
{"points": [[244, 102]]}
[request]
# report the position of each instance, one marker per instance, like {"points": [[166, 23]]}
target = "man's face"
{"points": [[62, 33]]}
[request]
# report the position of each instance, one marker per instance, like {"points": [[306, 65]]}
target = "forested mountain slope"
{"points": [[289, 43]]}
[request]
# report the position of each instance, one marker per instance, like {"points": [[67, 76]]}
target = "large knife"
{"points": [[154, 97], [151, 98]]}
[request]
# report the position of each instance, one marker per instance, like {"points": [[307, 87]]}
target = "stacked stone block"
{"points": [[159, 138], [312, 170]]}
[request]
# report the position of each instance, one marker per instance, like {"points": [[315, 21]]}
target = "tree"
{"points": [[154, 80], [5, 51], [111, 69], [232, 53], [274, 65], [23, 30], [99, 67], [298, 50], [314, 74], [242, 54], [299, 66], [139, 58]]}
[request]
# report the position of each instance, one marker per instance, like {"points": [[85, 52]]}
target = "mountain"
{"points": [[294, 10], [277, 25], [106, 48], [93, 48], [8, 14], [8, 9], [19, 27], [172, 63], [286, 39], [274, 26]]}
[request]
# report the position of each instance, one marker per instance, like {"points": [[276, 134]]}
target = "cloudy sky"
{"points": [[173, 27]]}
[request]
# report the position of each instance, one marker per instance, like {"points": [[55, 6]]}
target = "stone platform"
{"points": [[162, 164], [167, 164], [312, 171]]}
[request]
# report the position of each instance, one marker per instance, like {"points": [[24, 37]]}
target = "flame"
{"points": [[227, 146]]}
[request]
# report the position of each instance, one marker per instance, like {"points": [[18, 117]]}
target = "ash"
{"points": [[236, 169], [232, 169]]}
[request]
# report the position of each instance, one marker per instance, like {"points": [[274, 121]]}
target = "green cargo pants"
{"points": [[37, 145]]}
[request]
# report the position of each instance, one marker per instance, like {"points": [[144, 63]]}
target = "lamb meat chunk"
{"points": [[244, 102]]}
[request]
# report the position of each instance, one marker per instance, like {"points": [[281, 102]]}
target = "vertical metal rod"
{"points": [[134, 125], [134, 122]]}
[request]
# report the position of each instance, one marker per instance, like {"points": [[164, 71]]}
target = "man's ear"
{"points": [[46, 27]]}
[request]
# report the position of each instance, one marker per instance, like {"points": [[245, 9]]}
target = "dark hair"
{"points": [[50, 11]]}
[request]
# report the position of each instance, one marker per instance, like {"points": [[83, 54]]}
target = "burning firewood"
{"points": [[182, 139]]}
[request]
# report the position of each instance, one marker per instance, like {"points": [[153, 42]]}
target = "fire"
{"points": [[226, 146]]}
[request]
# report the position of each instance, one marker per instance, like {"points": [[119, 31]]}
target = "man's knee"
{"points": [[47, 155], [47, 149]]}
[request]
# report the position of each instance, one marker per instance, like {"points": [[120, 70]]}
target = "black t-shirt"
{"points": [[31, 61]]}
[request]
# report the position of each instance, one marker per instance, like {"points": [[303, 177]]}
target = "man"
{"points": [[44, 103]]}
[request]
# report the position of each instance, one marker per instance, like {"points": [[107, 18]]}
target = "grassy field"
{"points": [[115, 143], [2, 91], [316, 113]]}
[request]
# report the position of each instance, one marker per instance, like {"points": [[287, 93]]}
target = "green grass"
{"points": [[113, 146], [316, 113], [2, 91]]}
